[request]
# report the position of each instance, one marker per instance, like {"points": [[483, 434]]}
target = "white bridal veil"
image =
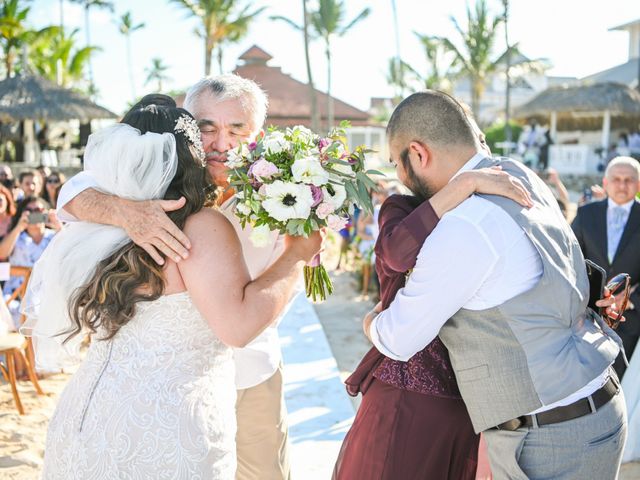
{"points": [[123, 163]]}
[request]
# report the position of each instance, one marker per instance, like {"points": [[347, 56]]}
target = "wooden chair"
{"points": [[17, 348]]}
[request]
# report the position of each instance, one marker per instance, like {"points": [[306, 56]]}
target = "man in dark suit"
{"points": [[609, 235]]}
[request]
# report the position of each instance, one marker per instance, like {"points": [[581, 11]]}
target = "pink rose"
{"points": [[324, 209], [262, 169], [335, 222]]}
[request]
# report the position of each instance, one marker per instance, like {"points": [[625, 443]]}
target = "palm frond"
{"points": [[361, 16]]}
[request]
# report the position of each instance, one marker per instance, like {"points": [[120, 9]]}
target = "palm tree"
{"points": [[62, 14], [219, 24], [328, 21], [304, 28], [398, 77], [14, 33], [436, 76], [315, 113], [56, 57], [474, 59], [127, 27], [157, 73], [507, 106], [88, 5]]}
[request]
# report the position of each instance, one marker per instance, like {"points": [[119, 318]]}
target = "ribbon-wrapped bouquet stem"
{"points": [[297, 182]]}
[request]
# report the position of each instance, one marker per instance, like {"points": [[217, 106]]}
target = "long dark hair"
{"points": [[109, 298]]}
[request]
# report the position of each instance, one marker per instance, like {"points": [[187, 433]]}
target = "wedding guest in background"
{"points": [[7, 210], [622, 147], [52, 186], [29, 182], [5, 174], [609, 233], [27, 239], [366, 234], [634, 144], [552, 179]]}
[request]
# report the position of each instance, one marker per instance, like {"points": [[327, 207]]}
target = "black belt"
{"points": [[577, 409]]}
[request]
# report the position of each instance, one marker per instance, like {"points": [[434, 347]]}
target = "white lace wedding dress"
{"points": [[155, 402]]}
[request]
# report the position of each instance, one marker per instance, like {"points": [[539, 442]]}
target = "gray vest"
{"points": [[542, 345]]}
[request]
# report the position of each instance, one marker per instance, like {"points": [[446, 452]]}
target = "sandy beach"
{"points": [[22, 438]]}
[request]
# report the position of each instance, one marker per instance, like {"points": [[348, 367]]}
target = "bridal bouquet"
{"points": [[296, 182]]}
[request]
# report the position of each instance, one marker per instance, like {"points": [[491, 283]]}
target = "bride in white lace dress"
{"points": [[155, 395]]}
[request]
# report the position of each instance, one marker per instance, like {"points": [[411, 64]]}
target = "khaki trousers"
{"points": [[262, 438]]}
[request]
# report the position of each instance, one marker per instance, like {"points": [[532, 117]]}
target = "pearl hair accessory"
{"points": [[188, 126]]}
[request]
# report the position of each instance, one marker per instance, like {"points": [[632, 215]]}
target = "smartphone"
{"points": [[597, 280], [587, 194], [38, 217]]}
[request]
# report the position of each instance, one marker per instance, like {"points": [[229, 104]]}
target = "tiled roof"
{"points": [[255, 53], [289, 102]]}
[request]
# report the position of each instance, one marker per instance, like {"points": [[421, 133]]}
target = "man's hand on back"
{"points": [[149, 227], [146, 222]]}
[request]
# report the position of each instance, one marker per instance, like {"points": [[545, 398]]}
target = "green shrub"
{"points": [[496, 134]]}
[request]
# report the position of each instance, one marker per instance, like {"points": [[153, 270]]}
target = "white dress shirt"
{"points": [[615, 225], [259, 360], [476, 258]]}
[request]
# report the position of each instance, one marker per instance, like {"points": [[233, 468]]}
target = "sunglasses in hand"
{"points": [[621, 283]]}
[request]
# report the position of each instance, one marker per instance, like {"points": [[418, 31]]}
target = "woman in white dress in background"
{"points": [[155, 396]]}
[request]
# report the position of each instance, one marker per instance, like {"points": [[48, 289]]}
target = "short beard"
{"points": [[418, 187]]}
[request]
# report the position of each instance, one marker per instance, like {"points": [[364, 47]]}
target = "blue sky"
{"points": [[572, 34]]}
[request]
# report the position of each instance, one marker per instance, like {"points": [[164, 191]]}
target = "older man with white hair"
{"points": [[609, 234]]}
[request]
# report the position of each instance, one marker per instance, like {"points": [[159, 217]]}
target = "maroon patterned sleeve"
{"points": [[403, 229]]}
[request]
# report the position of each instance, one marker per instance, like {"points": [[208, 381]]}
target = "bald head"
{"points": [[434, 118]]}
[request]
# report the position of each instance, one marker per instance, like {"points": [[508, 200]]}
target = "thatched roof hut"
{"points": [[28, 97], [585, 107], [597, 98]]}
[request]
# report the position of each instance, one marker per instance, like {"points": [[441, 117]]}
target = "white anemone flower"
{"points": [[237, 157], [309, 170], [334, 194], [287, 200], [275, 142]]}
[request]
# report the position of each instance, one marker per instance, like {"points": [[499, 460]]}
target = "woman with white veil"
{"points": [[155, 395]]}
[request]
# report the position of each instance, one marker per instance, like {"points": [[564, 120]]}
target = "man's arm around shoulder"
{"points": [[145, 222]]}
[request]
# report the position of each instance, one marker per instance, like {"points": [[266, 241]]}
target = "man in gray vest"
{"points": [[506, 290]]}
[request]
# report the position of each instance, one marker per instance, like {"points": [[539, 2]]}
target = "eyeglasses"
{"points": [[53, 180], [621, 283]]}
